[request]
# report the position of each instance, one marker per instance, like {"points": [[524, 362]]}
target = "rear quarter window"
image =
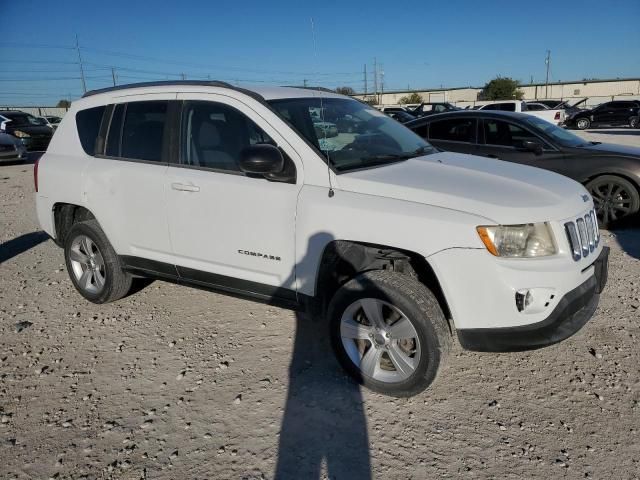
{"points": [[88, 123]]}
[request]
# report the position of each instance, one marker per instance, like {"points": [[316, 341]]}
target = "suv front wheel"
{"points": [[94, 267], [388, 332]]}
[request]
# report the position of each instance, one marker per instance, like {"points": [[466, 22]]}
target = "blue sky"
{"points": [[418, 44]]}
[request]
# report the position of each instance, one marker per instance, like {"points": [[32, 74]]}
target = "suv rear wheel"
{"points": [[388, 332], [94, 267]]}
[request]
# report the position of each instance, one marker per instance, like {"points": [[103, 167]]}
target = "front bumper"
{"points": [[572, 312]]}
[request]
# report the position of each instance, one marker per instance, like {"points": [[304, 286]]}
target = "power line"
{"points": [[34, 45]]}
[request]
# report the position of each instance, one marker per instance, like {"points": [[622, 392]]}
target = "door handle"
{"points": [[185, 188]]}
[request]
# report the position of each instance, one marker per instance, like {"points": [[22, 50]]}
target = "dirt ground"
{"points": [[178, 383]]}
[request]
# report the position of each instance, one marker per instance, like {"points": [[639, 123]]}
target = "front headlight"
{"points": [[521, 241], [21, 134]]}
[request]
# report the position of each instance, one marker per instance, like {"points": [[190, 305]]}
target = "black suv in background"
{"points": [[616, 113], [35, 133]]}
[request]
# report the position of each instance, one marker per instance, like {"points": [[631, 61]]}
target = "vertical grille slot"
{"points": [[584, 240], [574, 241], [590, 231]]}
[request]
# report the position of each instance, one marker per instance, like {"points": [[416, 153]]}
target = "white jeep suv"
{"points": [[312, 200]]}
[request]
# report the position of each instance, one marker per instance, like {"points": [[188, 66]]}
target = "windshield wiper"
{"points": [[396, 156]]}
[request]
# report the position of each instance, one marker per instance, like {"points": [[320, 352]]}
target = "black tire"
{"points": [[582, 123], [614, 197], [418, 305], [634, 122], [117, 282]]}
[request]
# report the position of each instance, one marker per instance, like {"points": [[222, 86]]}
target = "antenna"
{"points": [[84, 83], [324, 131]]}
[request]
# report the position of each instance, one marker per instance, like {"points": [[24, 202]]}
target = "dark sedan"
{"points": [[34, 132], [610, 172]]}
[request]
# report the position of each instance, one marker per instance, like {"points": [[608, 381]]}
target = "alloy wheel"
{"points": [[612, 200], [87, 264], [380, 340], [582, 123]]}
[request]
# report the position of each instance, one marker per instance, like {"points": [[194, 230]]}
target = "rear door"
{"points": [[227, 228], [503, 140], [454, 134], [125, 190]]}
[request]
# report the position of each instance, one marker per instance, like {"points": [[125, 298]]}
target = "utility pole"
{"points": [[84, 83], [382, 83], [113, 75], [546, 84], [365, 79], [183, 76], [375, 79], [304, 82]]}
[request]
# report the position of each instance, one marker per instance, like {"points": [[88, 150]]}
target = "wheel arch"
{"points": [[635, 181], [342, 260], [65, 215]]}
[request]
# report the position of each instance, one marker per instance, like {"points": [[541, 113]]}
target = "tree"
{"points": [[502, 88], [63, 104], [345, 91], [412, 98]]}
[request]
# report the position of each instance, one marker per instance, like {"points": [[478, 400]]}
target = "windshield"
{"points": [[23, 119], [560, 135], [350, 134]]}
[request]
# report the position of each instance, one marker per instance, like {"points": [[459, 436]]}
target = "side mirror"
{"points": [[261, 159], [531, 146]]}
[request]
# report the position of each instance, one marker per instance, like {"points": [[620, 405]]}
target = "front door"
{"points": [[504, 140], [229, 229]]}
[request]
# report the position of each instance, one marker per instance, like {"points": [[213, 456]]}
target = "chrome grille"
{"points": [[583, 235]]}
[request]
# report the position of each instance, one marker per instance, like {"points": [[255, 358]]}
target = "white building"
{"points": [[597, 91]]}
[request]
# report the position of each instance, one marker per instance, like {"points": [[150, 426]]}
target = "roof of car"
{"points": [[472, 113], [260, 92]]}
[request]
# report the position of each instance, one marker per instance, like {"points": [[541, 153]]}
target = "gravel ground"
{"points": [[177, 383]]}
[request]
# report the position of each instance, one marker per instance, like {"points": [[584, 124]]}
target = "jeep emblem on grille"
{"points": [[585, 198]]}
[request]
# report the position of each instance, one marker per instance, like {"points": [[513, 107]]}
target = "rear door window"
{"points": [[88, 123], [143, 130], [454, 130]]}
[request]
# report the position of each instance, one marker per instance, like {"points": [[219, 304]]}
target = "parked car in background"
{"points": [[554, 116], [34, 133], [616, 113], [430, 108], [610, 172], [394, 109], [53, 120], [535, 106], [11, 149], [551, 104], [402, 117]]}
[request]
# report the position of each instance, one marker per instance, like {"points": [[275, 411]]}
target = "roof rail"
{"points": [[164, 83]]}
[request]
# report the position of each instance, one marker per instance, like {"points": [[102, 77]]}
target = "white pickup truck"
{"points": [[553, 116]]}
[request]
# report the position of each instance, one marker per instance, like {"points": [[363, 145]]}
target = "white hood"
{"points": [[504, 192]]}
